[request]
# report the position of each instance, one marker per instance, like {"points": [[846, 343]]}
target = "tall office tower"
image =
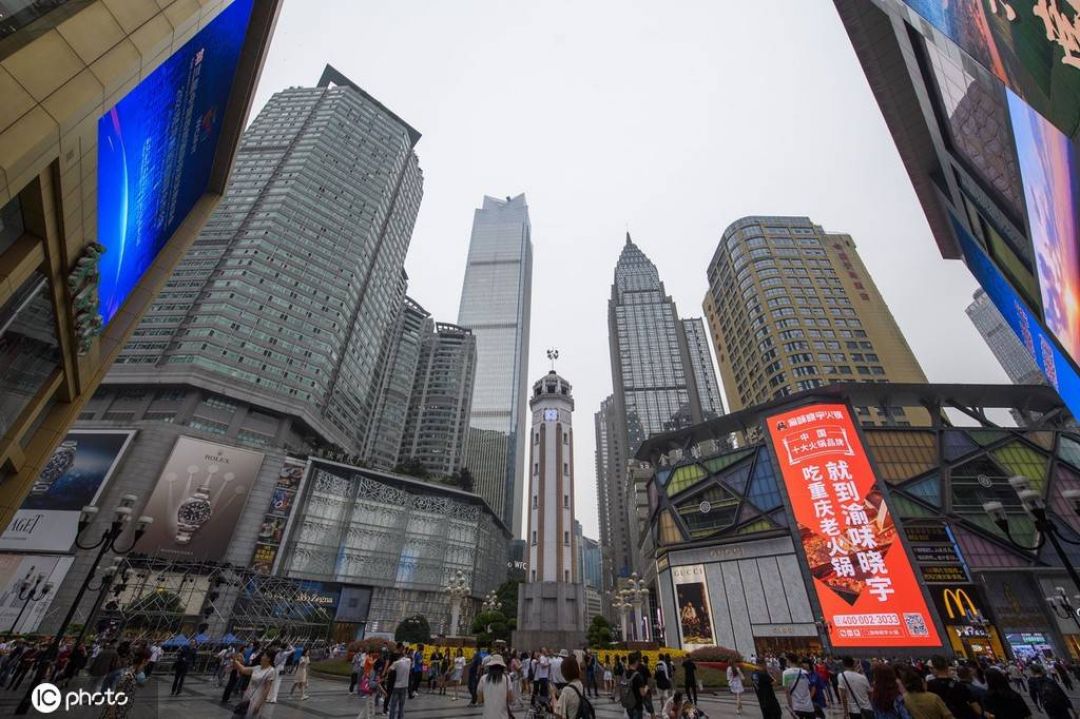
{"points": [[437, 424], [1003, 342], [653, 378], [495, 303], [697, 343], [611, 494], [792, 307], [413, 324], [105, 184], [603, 461], [287, 299]]}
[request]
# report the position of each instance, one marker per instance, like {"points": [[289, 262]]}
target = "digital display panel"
{"points": [[1053, 363], [1030, 45], [156, 148], [1048, 167], [862, 576]]}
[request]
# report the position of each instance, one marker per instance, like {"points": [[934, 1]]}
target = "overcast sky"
{"points": [[673, 119]]}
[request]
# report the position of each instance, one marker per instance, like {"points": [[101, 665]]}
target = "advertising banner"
{"points": [[156, 148], [958, 604], [1053, 363], [694, 608], [863, 580], [1032, 46], [74, 476], [13, 569], [198, 498], [276, 521]]}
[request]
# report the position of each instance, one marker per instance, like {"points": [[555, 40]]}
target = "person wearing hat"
{"points": [[495, 691]]}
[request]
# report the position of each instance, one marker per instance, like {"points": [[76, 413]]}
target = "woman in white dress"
{"points": [[606, 666], [262, 678], [301, 680], [458, 672], [495, 691], [735, 684]]}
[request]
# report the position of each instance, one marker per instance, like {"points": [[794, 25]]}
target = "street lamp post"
{"points": [[491, 602], [1035, 507], [105, 544], [622, 605], [107, 577], [28, 592], [638, 594], [1063, 607], [457, 589]]}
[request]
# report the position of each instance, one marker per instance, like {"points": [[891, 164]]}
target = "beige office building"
{"points": [[119, 120], [792, 307]]}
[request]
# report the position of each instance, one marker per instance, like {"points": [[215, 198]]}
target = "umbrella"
{"points": [[230, 638], [178, 640], [201, 638]]}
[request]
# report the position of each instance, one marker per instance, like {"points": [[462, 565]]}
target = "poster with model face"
{"points": [[198, 498], [20, 615], [695, 611], [156, 149], [276, 521], [74, 476]]}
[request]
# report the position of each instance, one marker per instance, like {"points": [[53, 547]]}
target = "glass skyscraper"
{"points": [[495, 303]]}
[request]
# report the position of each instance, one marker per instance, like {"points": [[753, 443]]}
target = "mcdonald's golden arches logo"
{"points": [[958, 597]]}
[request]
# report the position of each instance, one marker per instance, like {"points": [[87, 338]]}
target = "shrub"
{"points": [[715, 654]]}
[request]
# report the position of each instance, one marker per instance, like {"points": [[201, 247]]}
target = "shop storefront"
{"points": [[1021, 611], [970, 631]]}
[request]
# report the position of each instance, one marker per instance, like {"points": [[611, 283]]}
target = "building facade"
{"points": [[437, 425], [287, 298], [614, 537], [71, 210], [384, 440], [654, 378], [978, 99], [726, 538], [495, 305], [1003, 343], [792, 307], [697, 346]]}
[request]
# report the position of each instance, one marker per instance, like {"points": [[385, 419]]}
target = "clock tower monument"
{"points": [[551, 604]]}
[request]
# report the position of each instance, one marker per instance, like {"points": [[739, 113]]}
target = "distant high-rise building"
{"points": [[697, 343], [612, 532], [792, 307], [654, 380], [288, 297], [436, 427], [1003, 342], [495, 302], [384, 440]]}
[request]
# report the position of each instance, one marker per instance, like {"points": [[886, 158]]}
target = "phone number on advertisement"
{"points": [[866, 620]]}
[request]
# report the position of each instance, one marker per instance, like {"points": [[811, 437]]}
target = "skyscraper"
{"points": [[287, 299], [708, 389], [654, 381], [495, 303], [612, 532], [436, 427], [1006, 346], [384, 439], [792, 307]]}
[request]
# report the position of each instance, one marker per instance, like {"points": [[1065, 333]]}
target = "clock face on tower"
{"points": [[551, 415]]}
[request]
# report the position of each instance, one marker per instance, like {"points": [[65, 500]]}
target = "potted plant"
{"points": [[715, 657]]}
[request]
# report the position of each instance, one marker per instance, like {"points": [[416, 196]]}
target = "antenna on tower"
{"points": [[553, 354]]}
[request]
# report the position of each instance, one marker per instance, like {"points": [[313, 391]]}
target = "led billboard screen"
{"points": [[1053, 363], [156, 148], [1030, 45], [862, 576]]}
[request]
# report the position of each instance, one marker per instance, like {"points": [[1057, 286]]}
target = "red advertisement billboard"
{"points": [[862, 577]]}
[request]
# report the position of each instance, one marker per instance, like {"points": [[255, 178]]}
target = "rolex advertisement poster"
{"points": [[74, 476], [198, 498]]}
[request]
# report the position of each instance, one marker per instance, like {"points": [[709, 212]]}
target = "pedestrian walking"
{"points": [[185, 656], [735, 684], [261, 678], [690, 680], [301, 680], [457, 672], [1001, 699], [766, 694], [494, 691]]}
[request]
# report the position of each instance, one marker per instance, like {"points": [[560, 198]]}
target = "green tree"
{"points": [[508, 596], [463, 479], [599, 632], [488, 627], [413, 630], [412, 467]]}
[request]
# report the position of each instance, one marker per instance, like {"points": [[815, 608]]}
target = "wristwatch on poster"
{"points": [[192, 514], [58, 465]]}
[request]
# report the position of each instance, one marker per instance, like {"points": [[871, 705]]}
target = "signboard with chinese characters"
{"points": [[272, 530], [863, 579], [946, 574]]}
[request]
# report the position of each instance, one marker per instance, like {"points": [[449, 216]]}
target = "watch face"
{"points": [[193, 511], [551, 415]]}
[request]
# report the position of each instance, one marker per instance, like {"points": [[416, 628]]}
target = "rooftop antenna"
{"points": [[553, 354]]}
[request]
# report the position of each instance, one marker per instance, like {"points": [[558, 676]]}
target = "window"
{"points": [[566, 576], [566, 501], [566, 537], [534, 537], [535, 503], [534, 571]]}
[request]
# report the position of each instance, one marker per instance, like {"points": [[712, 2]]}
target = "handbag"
{"points": [[241, 709], [865, 713]]}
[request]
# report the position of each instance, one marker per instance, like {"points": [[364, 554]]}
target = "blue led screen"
{"points": [[156, 148], [1052, 361]]}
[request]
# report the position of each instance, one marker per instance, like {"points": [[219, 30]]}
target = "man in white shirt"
{"points": [[542, 675], [401, 669], [854, 690], [556, 671], [155, 656], [796, 682]]}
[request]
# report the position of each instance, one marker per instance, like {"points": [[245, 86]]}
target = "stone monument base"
{"points": [[552, 615]]}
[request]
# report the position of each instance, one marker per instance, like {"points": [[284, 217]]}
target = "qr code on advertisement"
{"points": [[916, 625]]}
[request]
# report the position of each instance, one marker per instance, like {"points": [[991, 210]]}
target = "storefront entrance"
{"points": [[776, 646]]}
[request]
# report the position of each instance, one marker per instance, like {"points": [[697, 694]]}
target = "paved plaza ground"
{"points": [[329, 699]]}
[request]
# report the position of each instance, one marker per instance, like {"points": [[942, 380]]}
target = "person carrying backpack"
{"points": [[634, 688], [573, 704], [1048, 695]]}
